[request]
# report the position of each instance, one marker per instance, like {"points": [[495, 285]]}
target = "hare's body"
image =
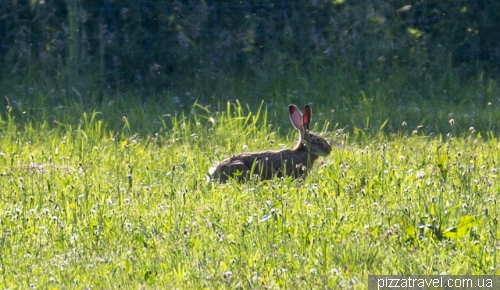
{"points": [[265, 165], [286, 162]]}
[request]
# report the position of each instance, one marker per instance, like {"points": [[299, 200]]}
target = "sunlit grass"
{"points": [[94, 203]]}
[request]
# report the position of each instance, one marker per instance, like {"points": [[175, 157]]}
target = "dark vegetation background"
{"points": [[61, 51]]}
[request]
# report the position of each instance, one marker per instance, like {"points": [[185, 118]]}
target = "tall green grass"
{"points": [[117, 196]]}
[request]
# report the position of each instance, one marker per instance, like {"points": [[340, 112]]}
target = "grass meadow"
{"points": [[115, 195]]}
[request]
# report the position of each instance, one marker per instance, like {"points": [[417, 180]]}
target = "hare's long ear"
{"points": [[307, 116], [296, 117]]}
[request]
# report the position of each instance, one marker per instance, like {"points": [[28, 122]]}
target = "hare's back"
{"points": [[264, 164]]}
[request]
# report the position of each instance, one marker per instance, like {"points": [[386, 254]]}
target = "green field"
{"points": [[113, 112], [117, 197]]}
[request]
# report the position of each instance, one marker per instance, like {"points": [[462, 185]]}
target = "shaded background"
{"points": [[86, 48]]}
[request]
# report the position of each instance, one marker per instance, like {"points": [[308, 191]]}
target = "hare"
{"points": [[280, 163]]}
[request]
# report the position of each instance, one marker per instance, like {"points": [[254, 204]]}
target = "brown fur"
{"points": [[286, 162]]}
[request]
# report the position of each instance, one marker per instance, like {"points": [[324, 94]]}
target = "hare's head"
{"points": [[308, 141]]}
